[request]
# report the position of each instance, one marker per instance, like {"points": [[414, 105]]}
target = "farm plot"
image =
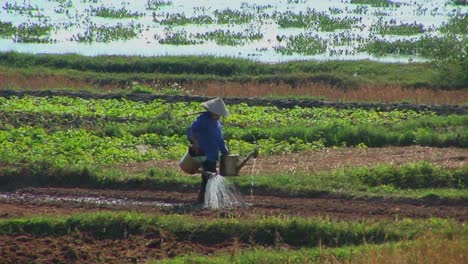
{"points": [[112, 163]]}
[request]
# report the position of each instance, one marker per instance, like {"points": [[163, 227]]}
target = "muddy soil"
{"points": [[80, 247], [329, 159], [49, 201]]}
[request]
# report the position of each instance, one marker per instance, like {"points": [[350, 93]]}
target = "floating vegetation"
{"points": [[182, 20], [63, 7], [460, 2], [229, 16], [331, 24], [6, 29], [254, 7], [406, 29], [375, 3], [20, 9], [229, 38], [361, 10], [156, 4], [312, 19], [32, 33], [456, 25], [302, 44], [114, 13], [297, 1], [179, 38], [335, 10], [106, 33], [26, 32], [430, 47]]}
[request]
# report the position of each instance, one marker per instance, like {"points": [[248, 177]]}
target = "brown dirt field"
{"points": [[383, 93], [83, 248], [328, 159]]}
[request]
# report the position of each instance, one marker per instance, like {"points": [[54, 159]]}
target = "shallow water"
{"points": [[93, 200], [76, 21]]}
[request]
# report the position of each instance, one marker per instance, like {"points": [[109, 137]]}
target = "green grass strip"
{"points": [[267, 231], [103, 70], [417, 181], [446, 247]]}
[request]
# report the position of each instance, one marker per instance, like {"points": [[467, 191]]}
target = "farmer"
{"points": [[206, 138]]}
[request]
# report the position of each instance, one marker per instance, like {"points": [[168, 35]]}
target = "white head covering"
{"points": [[216, 106]]}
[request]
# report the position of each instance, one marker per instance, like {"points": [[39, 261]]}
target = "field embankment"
{"points": [[333, 80]]}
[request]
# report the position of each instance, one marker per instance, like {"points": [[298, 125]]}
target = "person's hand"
{"points": [[196, 148]]}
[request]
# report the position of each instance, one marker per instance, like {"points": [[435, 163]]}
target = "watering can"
{"points": [[191, 164], [231, 164]]}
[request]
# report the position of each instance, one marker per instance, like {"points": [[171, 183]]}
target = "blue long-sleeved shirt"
{"points": [[208, 133]]}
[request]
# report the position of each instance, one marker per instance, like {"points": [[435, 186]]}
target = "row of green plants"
{"points": [[242, 114], [267, 231], [113, 144], [75, 130], [420, 181]]}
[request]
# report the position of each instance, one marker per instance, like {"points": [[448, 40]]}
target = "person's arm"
{"points": [[221, 144]]}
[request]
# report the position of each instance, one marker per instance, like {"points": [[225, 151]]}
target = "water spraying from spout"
{"points": [[219, 194]]}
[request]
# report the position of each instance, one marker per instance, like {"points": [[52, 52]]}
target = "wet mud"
{"points": [[81, 247], [43, 201]]}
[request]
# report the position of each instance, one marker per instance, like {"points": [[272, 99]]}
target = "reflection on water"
{"points": [[73, 20], [45, 198]]}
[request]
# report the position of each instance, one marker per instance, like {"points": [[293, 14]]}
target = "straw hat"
{"points": [[216, 106]]}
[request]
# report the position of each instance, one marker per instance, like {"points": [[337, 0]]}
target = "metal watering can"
{"points": [[231, 164]]}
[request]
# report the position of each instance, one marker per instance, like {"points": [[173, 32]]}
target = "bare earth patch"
{"points": [[329, 159]]}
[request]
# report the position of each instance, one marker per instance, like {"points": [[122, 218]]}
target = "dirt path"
{"points": [[80, 247], [50, 201], [329, 159]]}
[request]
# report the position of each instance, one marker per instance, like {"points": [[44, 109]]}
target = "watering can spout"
{"points": [[253, 154], [231, 165]]}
